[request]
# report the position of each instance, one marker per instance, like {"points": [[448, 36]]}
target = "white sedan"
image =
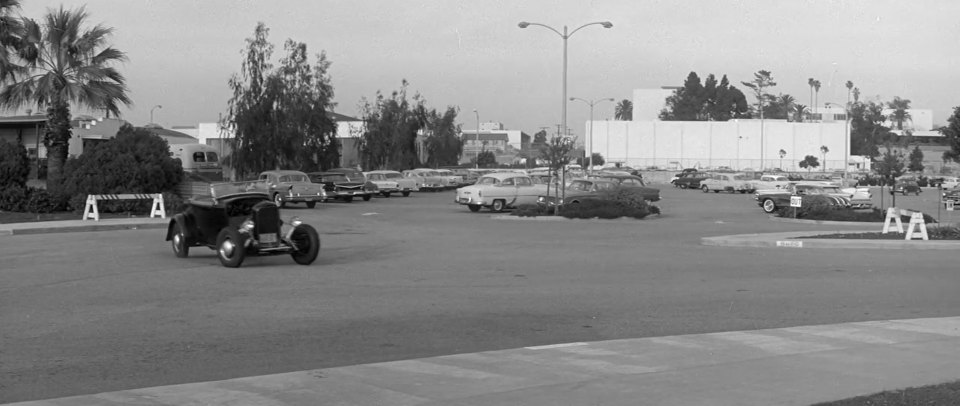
{"points": [[500, 191]]}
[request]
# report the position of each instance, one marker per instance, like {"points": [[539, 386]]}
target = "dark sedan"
{"points": [[339, 186], [631, 181]]}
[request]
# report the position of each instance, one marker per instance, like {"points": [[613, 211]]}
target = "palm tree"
{"points": [[823, 151], [624, 110], [816, 92], [786, 103], [783, 153], [57, 63], [10, 28], [899, 113], [799, 111], [810, 82]]}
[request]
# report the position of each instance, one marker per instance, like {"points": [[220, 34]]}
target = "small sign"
{"points": [[795, 201], [949, 205], [791, 244]]}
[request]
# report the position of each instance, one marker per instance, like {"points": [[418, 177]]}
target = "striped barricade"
{"points": [[91, 210], [916, 221]]}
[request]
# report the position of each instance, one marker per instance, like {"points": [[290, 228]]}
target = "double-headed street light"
{"points": [[591, 103], [151, 112], [565, 35]]}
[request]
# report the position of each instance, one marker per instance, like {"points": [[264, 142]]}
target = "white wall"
{"points": [[710, 144]]}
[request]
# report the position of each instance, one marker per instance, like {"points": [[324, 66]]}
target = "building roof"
{"points": [[35, 118], [470, 136], [163, 132], [340, 117]]}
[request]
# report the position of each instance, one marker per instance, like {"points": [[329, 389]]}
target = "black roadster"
{"points": [[237, 221]]}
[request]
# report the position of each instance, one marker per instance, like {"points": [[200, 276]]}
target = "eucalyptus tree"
{"points": [[57, 62], [711, 101], [280, 116], [392, 124], [761, 81], [951, 132], [443, 145]]}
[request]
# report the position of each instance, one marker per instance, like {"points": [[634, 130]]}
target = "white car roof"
{"points": [[505, 175]]}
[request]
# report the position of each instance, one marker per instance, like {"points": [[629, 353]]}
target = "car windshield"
{"points": [[331, 177], [488, 180], [393, 175], [294, 178], [376, 176]]}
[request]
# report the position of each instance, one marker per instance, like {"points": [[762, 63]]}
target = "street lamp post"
{"points": [[477, 162], [564, 35], [591, 103], [151, 112]]}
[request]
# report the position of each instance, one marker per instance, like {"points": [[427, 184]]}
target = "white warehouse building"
{"points": [[738, 144]]}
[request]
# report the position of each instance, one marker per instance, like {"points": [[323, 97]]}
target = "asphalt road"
{"points": [[403, 278]]}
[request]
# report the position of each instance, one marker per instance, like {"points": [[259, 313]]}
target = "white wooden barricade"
{"points": [[916, 221], [91, 210]]}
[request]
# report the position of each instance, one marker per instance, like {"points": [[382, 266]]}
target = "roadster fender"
{"points": [[185, 225]]}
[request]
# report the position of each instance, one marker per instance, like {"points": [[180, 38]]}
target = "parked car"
{"points": [[729, 182], [951, 195], [426, 179], [576, 191], [403, 185], [238, 220], [289, 187], [906, 186], [385, 187], [690, 180], [500, 191], [630, 181], [684, 171], [771, 200], [339, 187], [453, 180], [771, 182]]}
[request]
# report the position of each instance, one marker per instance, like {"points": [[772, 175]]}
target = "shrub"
{"points": [[41, 201], [628, 196], [605, 209], [136, 161], [12, 197], [529, 210], [14, 165]]}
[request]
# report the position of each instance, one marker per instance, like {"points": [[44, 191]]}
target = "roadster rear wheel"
{"points": [[278, 200], [769, 206], [179, 242], [307, 243], [230, 248]]}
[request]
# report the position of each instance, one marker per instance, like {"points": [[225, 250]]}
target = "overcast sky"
{"points": [[472, 55]]}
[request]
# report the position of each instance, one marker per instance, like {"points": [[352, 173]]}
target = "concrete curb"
{"points": [[878, 225], [793, 240], [561, 218], [71, 226]]}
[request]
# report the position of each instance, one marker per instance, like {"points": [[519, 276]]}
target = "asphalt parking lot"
{"points": [[404, 278]]}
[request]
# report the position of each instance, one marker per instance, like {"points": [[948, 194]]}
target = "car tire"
{"points": [[474, 207], [769, 206], [311, 205], [307, 241], [348, 199], [683, 186], [405, 194], [230, 248], [179, 242], [278, 200], [386, 194], [705, 189], [498, 205], [367, 197]]}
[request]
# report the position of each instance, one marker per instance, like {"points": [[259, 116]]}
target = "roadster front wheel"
{"points": [[179, 242], [230, 248], [307, 243]]}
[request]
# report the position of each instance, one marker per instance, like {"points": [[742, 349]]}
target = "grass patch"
{"points": [[944, 394], [943, 232]]}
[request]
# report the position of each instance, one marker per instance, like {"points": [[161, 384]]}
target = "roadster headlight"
{"points": [[295, 221], [246, 226]]}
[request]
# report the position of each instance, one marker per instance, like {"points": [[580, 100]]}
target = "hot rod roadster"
{"points": [[238, 220]]}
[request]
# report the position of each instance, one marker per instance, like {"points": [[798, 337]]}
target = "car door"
{"points": [[507, 190], [527, 193]]}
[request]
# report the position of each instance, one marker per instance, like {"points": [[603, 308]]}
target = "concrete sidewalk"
{"points": [[68, 226], [786, 366]]}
